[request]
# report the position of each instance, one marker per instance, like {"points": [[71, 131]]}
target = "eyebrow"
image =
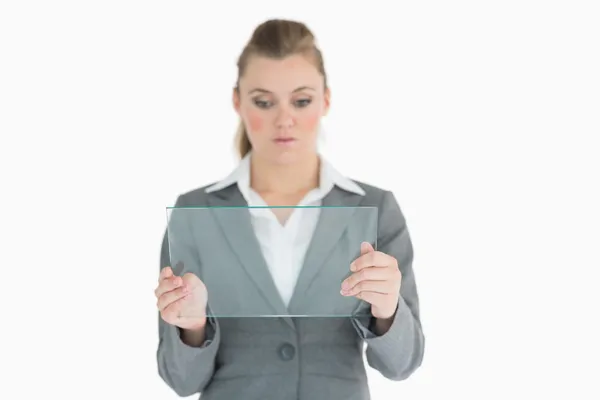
{"points": [[260, 90]]}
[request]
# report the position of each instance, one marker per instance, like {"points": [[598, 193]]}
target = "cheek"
{"points": [[256, 122], [309, 122]]}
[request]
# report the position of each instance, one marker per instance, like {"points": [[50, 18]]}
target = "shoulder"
{"points": [[197, 196], [392, 222], [375, 195], [384, 199]]}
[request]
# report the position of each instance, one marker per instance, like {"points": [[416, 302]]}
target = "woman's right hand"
{"points": [[182, 300]]}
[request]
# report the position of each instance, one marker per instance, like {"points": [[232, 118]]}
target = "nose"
{"points": [[285, 118]]}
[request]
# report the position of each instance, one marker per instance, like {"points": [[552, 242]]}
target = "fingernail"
{"points": [[345, 286], [352, 267]]}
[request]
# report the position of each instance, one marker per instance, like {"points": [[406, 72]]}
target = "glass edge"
{"points": [[235, 207]]}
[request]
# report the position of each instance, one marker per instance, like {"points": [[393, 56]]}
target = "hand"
{"points": [[181, 300], [376, 279]]}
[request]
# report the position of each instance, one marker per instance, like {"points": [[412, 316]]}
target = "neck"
{"points": [[266, 177]]}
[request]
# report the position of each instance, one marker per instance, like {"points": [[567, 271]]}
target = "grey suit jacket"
{"points": [[279, 358]]}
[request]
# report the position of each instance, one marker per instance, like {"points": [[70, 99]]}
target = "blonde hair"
{"points": [[276, 38]]}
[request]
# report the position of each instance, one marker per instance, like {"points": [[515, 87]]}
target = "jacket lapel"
{"points": [[238, 231], [332, 223]]}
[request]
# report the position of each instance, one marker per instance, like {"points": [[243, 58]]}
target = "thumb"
{"points": [[366, 247], [165, 273]]}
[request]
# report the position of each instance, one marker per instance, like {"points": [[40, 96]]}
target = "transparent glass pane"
{"points": [[271, 261]]}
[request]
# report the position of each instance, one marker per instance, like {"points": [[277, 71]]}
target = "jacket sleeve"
{"points": [[187, 370], [399, 352]]}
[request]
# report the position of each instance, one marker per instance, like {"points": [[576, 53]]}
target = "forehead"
{"points": [[280, 75]]}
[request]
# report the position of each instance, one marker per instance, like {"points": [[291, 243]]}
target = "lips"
{"points": [[285, 141]]}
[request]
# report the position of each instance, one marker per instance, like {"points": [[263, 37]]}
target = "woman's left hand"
{"points": [[376, 279]]}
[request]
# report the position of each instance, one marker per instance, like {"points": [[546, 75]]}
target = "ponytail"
{"points": [[242, 142]]}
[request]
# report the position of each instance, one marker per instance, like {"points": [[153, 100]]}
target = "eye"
{"points": [[262, 103], [302, 103]]}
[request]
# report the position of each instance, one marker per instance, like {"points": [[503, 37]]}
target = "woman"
{"points": [[280, 96]]}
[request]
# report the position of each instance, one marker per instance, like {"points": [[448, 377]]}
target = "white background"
{"points": [[481, 116]]}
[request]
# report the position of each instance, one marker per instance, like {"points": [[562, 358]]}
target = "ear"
{"points": [[326, 101], [236, 100]]}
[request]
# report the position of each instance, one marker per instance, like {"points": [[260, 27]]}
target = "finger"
{"points": [[171, 297], [366, 274], [168, 284], [382, 287], [173, 313], [365, 247], [373, 298], [372, 259], [165, 273]]}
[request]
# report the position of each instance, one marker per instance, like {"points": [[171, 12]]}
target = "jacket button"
{"points": [[286, 352]]}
